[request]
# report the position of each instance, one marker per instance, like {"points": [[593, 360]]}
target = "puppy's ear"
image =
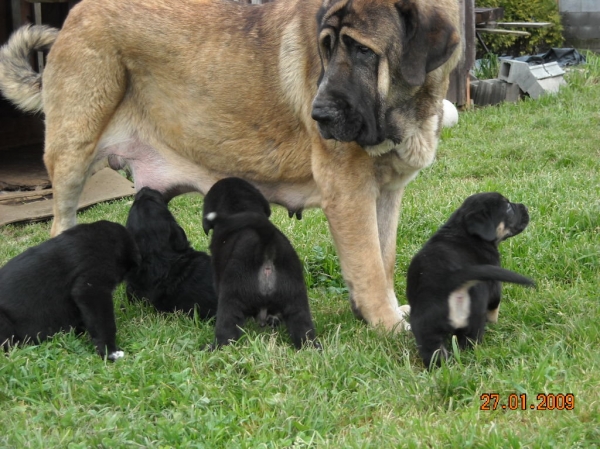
{"points": [[482, 225], [177, 237], [267, 209], [207, 224]]}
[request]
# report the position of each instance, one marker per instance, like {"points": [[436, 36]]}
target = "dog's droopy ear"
{"points": [[482, 225], [428, 40], [177, 237]]}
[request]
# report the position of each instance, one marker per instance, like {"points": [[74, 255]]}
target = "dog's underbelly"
{"points": [[172, 174]]}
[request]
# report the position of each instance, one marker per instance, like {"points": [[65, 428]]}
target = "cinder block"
{"points": [[510, 70], [590, 6], [541, 71], [546, 86], [570, 5], [494, 91], [513, 92], [533, 79]]}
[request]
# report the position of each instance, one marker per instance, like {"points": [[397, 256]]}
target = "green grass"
{"points": [[488, 67], [365, 389]]}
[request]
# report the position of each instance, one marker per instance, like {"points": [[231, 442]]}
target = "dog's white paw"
{"points": [[116, 355], [404, 312]]}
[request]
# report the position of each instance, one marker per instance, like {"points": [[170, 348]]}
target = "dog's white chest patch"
{"points": [[459, 306]]}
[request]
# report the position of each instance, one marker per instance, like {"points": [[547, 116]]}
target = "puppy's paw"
{"points": [[211, 347], [273, 321], [115, 355], [404, 312], [263, 318]]}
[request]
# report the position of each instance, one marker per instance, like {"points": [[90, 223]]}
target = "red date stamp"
{"points": [[544, 401]]}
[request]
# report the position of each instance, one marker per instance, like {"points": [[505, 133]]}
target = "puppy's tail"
{"points": [[226, 225], [488, 273], [19, 82]]}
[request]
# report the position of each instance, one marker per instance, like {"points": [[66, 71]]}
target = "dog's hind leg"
{"points": [[300, 326], [84, 82], [93, 298], [7, 332], [473, 334], [228, 327]]}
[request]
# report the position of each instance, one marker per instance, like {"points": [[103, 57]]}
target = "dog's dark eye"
{"points": [[509, 208], [362, 49], [354, 45]]}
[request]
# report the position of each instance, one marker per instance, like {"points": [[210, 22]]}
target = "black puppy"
{"points": [[67, 283], [454, 281], [172, 275], [257, 272]]}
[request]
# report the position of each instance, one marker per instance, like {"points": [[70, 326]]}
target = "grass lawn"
{"points": [[366, 389]]}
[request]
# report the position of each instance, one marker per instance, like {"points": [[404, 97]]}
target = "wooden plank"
{"points": [[24, 197], [47, 1], [20, 12], [104, 185], [458, 88], [524, 24], [499, 31], [483, 15]]}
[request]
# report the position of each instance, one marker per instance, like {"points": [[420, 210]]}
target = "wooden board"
{"points": [[104, 185]]}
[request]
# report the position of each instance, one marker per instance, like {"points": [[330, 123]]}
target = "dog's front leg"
{"points": [[388, 212], [349, 193], [93, 298]]}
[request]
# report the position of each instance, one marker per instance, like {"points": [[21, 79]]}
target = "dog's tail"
{"points": [[19, 82], [226, 225], [488, 273]]}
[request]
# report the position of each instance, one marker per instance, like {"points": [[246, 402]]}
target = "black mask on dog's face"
{"points": [[517, 218]]}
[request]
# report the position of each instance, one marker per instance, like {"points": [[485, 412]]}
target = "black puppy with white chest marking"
{"points": [[67, 283], [257, 271], [172, 275], [454, 281]]}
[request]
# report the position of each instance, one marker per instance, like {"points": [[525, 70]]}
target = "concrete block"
{"points": [[513, 92], [541, 71], [527, 83], [590, 6], [532, 79], [510, 70], [570, 5], [494, 91], [546, 86]]}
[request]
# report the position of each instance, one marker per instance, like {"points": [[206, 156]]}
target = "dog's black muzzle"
{"points": [[338, 120], [519, 219]]}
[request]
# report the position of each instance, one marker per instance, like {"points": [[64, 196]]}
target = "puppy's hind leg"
{"points": [[94, 300], [473, 334], [229, 322], [83, 85], [301, 327], [7, 332]]}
